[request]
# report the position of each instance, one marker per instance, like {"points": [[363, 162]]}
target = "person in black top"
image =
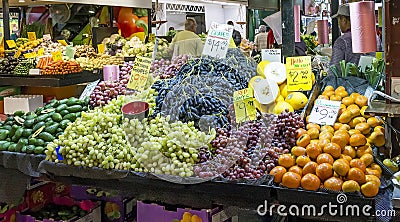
{"points": [[237, 38]]}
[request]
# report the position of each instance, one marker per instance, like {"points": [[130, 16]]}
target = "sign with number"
{"points": [[70, 52], [325, 112], [271, 55], [40, 52], [100, 48], [243, 103], [11, 44], [57, 56], [298, 73], [89, 89], [140, 73], [62, 42], [217, 41], [30, 55], [31, 36], [17, 54]]}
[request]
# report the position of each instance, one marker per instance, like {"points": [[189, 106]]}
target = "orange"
{"points": [[300, 132], [301, 161], [323, 97], [328, 93], [358, 140], [342, 93], [286, 160], [333, 149], [303, 140], [353, 131], [313, 132], [325, 135], [354, 109], [310, 167], [357, 163], [296, 169], [313, 150], [347, 101], [324, 158], [313, 125], [291, 180], [298, 151], [361, 101], [278, 172], [310, 182], [363, 150], [357, 175], [374, 122], [354, 96], [324, 171], [376, 167], [323, 142], [350, 186], [346, 157], [350, 151], [337, 126], [370, 189], [333, 183], [340, 139], [364, 128], [329, 88], [367, 159], [341, 167], [335, 98], [340, 88], [345, 127], [370, 171], [327, 128], [373, 178]]}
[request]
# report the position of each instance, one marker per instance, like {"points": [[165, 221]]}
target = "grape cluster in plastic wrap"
{"points": [[165, 68], [247, 66]]}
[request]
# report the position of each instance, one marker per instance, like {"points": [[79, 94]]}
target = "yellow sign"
{"points": [[30, 55], [243, 103], [17, 54], [31, 36], [62, 42], [140, 72], [298, 73], [379, 55], [57, 56], [152, 37], [11, 44], [40, 52], [100, 48]]}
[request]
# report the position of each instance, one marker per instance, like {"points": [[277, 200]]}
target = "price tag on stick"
{"points": [[243, 103], [57, 56], [31, 36], [11, 44], [140, 73], [40, 52], [217, 41], [271, 55], [325, 112], [89, 89], [298, 73]]}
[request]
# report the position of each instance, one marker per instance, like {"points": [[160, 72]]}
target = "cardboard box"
{"points": [[9, 91], [25, 103]]}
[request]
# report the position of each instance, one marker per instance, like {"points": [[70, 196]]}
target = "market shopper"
{"points": [[261, 39], [237, 37], [65, 34], [187, 42]]}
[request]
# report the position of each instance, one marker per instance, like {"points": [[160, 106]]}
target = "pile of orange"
{"points": [[335, 157]]}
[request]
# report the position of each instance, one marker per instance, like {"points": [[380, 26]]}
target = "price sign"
{"points": [[40, 52], [89, 89], [298, 73], [325, 112], [62, 42], [30, 55], [70, 52], [139, 74], [271, 55], [217, 41], [47, 37], [57, 56], [31, 36], [152, 37], [100, 48], [243, 103], [17, 54], [11, 44]]}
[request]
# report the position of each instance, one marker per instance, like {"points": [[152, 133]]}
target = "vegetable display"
{"points": [[24, 66], [61, 68]]}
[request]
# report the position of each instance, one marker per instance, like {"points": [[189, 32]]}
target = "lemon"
{"points": [[280, 98], [261, 67], [281, 107], [283, 90], [297, 100]]}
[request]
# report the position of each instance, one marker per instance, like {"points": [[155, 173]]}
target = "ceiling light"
{"points": [[21, 1]]}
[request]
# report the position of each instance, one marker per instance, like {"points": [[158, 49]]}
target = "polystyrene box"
{"points": [[25, 103]]}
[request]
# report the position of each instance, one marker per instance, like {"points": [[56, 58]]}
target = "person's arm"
{"points": [[338, 54]]}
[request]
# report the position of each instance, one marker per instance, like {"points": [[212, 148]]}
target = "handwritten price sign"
{"points": [[325, 112], [298, 73], [31, 36], [140, 73], [217, 41], [243, 103], [271, 55]]}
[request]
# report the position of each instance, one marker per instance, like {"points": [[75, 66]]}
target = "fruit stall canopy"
{"points": [[124, 3]]}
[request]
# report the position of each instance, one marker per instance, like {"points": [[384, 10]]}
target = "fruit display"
{"points": [[337, 157], [85, 51], [24, 45], [31, 132], [119, 46], [24, 66], [44, 61], [21, 41], [8, 64], [50, 47], [165, 68], [162, 50], [57, 212], [106, 91], [92, 63], [61, 68]]}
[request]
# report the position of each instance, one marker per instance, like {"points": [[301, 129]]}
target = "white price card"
{"points": [[325, 112], [217, 41], [89, 89], [271, 55]]}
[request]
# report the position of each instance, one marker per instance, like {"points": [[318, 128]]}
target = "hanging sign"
{"points": [[11, 44], [31, 36], [243, 103], [298, 73], [57, 56], [62, 42], [89, 89], [325, 112], [217, 41], [139, 74], [271, 55]]}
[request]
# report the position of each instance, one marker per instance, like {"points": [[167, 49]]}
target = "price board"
{"points": [[30, 55], [11, 44], [217, 41], [325, 112], [40, 52], [100, 48], [298, 73], [57, 56], [271, 55], [62, 42], [89, 89], [243, 103], [31, 36], [140, 73]]}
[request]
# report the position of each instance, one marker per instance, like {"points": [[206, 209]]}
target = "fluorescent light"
{"points": [[21, 1]]}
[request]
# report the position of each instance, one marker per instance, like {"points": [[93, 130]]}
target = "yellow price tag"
{"points": [[245, 110], [140, 73], [152, 37], [40, 52], [31, 36], [57, 56], [30, 55], [298, 73], [17, 54], [100, 48], [379, 55], [11, 44], [243, 94], [62, 42]]}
